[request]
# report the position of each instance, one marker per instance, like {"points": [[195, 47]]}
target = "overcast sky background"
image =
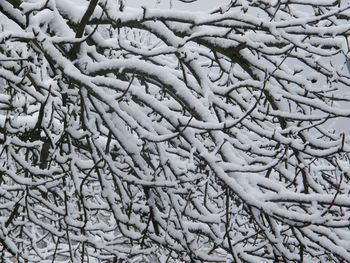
{"points": [[200, 5], [341, 124]]}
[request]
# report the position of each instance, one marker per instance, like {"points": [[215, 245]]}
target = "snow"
{"points": [[175, 134]]}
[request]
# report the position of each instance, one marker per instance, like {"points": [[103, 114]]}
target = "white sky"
{"points": [[199, 5], [341, 124]]}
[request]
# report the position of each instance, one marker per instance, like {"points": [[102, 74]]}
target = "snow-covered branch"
{"points": [[154, 135]]}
